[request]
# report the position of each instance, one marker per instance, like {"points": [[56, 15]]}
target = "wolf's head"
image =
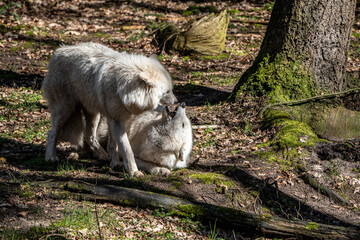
{"points": [[177, 123], [150, 86], [162, 79]]}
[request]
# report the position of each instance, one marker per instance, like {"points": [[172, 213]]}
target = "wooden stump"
{"points": [[206, 36]]}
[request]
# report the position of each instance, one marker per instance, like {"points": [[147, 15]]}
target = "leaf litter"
{"points": [[224, 134]]}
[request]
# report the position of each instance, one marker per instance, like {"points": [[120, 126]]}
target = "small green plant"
{"points": [[213, 232], [248, 129], [234, 12], [8, 7], [269, 6], [69, 166], [83, 221], [312, 226], [333, 168], [197, 74], [136, 36]]}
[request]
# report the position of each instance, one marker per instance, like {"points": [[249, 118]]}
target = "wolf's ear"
{"points": [[146, 79], [153, 56]]}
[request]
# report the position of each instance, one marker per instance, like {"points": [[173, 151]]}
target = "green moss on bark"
{"points": [[291, 133], [281, 79]]}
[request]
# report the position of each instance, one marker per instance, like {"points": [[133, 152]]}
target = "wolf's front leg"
{"points": [[152, 168], [120, 137]]}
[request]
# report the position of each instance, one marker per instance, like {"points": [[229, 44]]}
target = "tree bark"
{"points": [[313, 34]]}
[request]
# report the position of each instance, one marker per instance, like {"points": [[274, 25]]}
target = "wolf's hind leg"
{"points": [[59, 115], [92, 123]]}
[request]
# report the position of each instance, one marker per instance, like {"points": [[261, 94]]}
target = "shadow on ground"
{"points": [[195, 95], [15, 80]]}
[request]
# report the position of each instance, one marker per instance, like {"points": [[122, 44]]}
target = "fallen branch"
{"points": [[267, 225]]}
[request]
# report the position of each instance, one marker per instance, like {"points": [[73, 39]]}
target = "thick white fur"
{"points": [[160, 143], [90, 79]]}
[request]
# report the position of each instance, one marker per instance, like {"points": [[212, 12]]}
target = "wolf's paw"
{"points": [[161, 171], [115, 164], [103, 157], [137, 174], [52, 158]]}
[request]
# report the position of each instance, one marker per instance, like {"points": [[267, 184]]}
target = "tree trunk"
{"points": [[304, 51]]}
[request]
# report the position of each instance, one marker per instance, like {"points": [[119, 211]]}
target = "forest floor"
{"points": [[226, 168]]}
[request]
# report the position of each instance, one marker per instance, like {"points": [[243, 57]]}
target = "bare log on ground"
{"points": [[206, 36], [265, 225], [229, 217]]}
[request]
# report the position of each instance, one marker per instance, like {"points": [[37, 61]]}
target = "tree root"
{"points": [[306, 100]]}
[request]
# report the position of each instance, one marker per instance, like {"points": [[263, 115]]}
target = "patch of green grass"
{"points": [[248, 129], [185, 58], [84, 219], [212, 178], [15, 49], [101, 35], [29, 44], [34, 132], [224, 81], [356, 170], [194, 10], [234, 12], [24, 98], [136, 36], [356, 34], [69, 166], [221, 56], [26, 192], [269, 6], [197, 74], [333, 168], [213, 232]]}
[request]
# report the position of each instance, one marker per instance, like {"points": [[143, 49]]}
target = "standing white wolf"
{"points": [[90, 79], [160, 140]]}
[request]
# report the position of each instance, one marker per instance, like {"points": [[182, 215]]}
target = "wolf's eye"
{"points": [[183, 125]]}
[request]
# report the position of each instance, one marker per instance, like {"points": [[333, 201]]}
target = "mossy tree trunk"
{"points": [[304, 51]]}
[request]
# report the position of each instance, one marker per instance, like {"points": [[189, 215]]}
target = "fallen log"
{"points": [[266, 224], [263, 225]]}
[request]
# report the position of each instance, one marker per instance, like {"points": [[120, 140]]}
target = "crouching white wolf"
{"points": [[90, 79], [161, 140]]}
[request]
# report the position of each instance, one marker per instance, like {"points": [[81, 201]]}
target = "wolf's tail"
{"points": [[74, 129]]}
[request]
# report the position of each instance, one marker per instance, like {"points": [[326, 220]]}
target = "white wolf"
{"points": [[90, 79], [161, 140]]}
